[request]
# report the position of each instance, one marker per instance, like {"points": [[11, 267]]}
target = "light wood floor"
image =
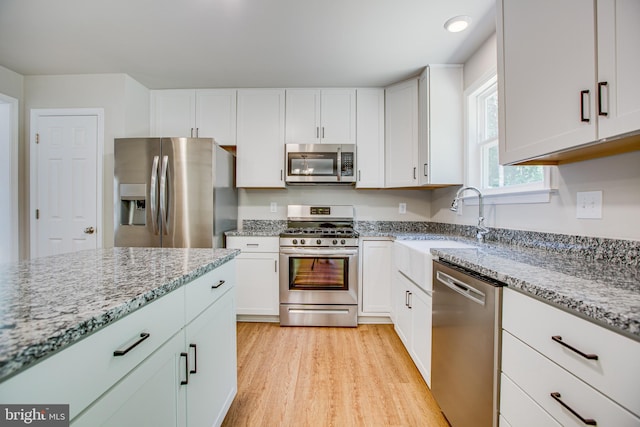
{"points": [[295, 376]]}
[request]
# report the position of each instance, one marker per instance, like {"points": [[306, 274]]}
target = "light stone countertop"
{"points": [[605, 293], [49, 303]]}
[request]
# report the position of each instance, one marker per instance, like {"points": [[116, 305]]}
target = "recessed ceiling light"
{"points": [[457, 24]]}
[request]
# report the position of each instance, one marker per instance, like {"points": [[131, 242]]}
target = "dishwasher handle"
{"points": [[460, 287]]}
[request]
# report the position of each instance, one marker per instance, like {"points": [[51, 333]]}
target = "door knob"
{"points": [[89, 230]]}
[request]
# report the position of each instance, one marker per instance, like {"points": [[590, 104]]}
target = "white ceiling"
{"points": [[239, 43]]}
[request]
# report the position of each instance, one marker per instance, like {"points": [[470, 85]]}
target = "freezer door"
{"points": [[186, 192], [136, 163]]}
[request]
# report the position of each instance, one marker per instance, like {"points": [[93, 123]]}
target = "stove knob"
{"points": [[343, 241], [335, 242], [319, 241], [295, 241], [302, 242]]}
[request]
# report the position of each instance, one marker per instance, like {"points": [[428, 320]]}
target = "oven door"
{"points": [[318, 275]]}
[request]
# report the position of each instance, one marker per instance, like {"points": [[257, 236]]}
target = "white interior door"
{"points": [[64, 169]]}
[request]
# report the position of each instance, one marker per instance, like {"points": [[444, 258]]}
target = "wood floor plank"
{"points": [[290, 376]]}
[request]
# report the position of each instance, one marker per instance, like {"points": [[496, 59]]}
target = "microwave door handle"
{"points": [[339, 171]]}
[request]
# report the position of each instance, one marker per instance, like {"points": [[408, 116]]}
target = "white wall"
{"points": [[12, 85], [617, 176], [126, 106], [371, 205]]}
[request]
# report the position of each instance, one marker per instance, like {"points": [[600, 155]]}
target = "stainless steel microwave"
{"points": [[320, 163]]}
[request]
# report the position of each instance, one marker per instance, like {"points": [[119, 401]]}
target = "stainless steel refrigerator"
{"points": [[173, 192]]}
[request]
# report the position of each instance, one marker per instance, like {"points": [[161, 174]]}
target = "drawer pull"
{"points": [[588, 421], [217, 285], [558, 339], [195, 359], [143, 336], [186, 368]]}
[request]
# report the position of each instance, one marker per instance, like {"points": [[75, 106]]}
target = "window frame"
{"points": [[539, 192]]}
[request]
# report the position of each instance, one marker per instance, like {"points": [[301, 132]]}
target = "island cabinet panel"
{"points": [[183, 373], [593, 369], [82, 372]]}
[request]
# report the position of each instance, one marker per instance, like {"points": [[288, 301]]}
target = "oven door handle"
{"points": [[318, 252]]}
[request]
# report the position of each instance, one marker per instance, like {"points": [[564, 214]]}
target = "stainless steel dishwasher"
{"points": [[465, 364]]}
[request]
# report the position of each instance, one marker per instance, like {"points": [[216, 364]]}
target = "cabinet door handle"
{"points": [[186, 368], [195, 359], [197, 132], [191, 132], [317, 131], [359, 175], [414, 173], [588, 421], [410, 297], [600, 86], [217, 285], [143, 336], [280, 174], [558, 339], [582, 117], [426, 169], [275, 266]]}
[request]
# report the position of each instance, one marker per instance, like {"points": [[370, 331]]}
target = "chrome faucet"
{"points": [[482, 230]]}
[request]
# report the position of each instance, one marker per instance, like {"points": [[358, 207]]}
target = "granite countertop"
{"points": [[49, 303], [603, 292]]}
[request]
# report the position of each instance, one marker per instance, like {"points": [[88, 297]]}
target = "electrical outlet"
{"points": [[402, 208], [589, 205], [273, 207]]}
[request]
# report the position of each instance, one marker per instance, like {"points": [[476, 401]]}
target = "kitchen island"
{"points": [[79, 323]]}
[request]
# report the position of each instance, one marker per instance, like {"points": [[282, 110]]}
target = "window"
{"points": [[483, 169]]}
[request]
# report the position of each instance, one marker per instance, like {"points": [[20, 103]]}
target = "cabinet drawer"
{"points": [[205, 290], [518, 409], [616, 371], [539, 377], [254, 244], [80, 373]]}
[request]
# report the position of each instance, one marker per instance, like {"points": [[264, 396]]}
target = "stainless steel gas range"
{"points": [[319, 267]]}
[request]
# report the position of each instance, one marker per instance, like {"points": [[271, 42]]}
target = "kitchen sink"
{"points": [[413, 258]]}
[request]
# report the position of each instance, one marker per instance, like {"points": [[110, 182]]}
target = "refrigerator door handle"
{"points": [[153, 194], [163, 194]]}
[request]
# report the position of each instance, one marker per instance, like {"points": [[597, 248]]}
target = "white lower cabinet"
{"points": [[375, 277], [412, 322], [211, 348], [257, 275], [149, 396], [558, 365]]}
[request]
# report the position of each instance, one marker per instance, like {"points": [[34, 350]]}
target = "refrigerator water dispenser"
{"points": [[133, 204]]}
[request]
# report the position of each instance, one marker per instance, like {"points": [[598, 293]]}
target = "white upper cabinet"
{"points": [[565, 87], [370, 138], [173, 112], [423, 126], [321, 116], [209, 113], [618, 66], [216, 115], [440, 125], [401, 134], [260, 147]]}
